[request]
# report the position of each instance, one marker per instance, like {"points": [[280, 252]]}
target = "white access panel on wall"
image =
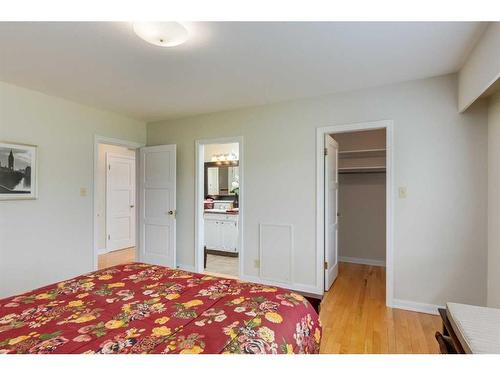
{"points": [[157, 205], [276, 252]]}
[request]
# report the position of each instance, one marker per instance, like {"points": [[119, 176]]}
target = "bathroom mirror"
{"points": [[220, 179]]}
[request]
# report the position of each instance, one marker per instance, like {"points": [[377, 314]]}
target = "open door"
{"points": [[120, 202], [331, 214], [157, 205]]}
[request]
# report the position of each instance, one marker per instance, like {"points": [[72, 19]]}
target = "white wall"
{"points": [[50, 239], [494, 201], [481, 69], [101, 188], [439, 155]]}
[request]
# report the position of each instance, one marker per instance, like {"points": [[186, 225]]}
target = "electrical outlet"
{"points": [[402, 192], [256, 263]]}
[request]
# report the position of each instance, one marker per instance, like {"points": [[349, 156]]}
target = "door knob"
{"points": [[132, 206], [172, 213]]}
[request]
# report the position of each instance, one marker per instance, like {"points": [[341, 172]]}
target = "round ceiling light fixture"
{"points": [[163, 34]]}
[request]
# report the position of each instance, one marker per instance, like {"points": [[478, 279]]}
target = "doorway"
{"points": [[362, 195], [219, 210], [115, 202], [355, 202]]}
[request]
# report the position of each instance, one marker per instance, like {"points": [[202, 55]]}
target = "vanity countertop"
{"points": [[224, 212]]}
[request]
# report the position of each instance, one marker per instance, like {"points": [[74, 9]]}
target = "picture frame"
{"points": [[18, 171]]}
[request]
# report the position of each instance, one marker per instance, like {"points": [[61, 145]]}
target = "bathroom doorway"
{"points": [[218, 207]]}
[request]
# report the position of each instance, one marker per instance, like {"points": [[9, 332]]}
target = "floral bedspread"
{"points": [[141, 308]]}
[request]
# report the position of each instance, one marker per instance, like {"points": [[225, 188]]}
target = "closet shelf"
{"points": [[362, 153], [372, 169]]}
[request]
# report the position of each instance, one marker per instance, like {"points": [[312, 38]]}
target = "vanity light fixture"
{"points": [[225, 158], [163, 34]]}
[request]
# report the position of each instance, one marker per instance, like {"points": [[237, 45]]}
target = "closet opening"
{"points": [[355, 211]]}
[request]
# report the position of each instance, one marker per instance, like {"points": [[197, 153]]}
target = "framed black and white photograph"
{"points": [[18, 171]]}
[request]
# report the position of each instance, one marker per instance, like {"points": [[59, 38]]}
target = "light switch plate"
{"points": [[402, 192], [83, 192]]}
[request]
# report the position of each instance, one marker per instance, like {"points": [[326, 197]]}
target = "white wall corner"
{"points": [[481, 69], [420, 307]]}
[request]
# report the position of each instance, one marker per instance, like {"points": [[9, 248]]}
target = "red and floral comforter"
{"points": [[141, 308]]}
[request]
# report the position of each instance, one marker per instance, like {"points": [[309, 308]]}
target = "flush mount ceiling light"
{"points": [[163, 34]]}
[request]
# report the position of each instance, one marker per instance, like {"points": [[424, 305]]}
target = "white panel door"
{"points": [[120, 202], [331, 215], [157, 205]]}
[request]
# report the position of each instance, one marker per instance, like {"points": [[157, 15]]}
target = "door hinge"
{"points": [[326, 265], [109, 167], [325, 152], [109, 236]]}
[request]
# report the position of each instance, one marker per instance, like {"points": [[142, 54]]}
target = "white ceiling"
{"points": [[224, 65]]}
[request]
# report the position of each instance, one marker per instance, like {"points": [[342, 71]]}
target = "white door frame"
{"points": [[199, 198], [115, 142], [320, 207]]}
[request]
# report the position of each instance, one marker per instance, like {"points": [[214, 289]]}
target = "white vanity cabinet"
{"points": [[221, 232]]}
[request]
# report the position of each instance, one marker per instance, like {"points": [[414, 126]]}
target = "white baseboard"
{"points": [[368, 262], [186, 267], [426, 308], [311, 289]]}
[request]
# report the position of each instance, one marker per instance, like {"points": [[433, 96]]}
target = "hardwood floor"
{"points": [[114, 258], [356, 320]]}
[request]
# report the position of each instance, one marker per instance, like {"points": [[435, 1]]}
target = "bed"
{"points": [[469, 329], [142, 308]]}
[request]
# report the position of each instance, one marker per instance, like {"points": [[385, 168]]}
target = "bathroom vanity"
{"points": [[221, 228], [221, 232]]}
